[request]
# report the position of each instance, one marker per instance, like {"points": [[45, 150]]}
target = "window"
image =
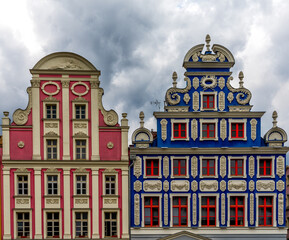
{"points": [[237, 167], [208, 101], [180, 130], [179, 167], [208, 167], [51, 149], [52, 184], [81, 184], [265, 167], [237, 130], [151, 211], [180, 211], [110, 224], [80, 149], [52, 224], [22, 184], [208, 130], [265, 211], [80, 112], [51, 111], [81, 224], [237, 211], [152, 167], [109, 184], [23, 225], [208, 211]]}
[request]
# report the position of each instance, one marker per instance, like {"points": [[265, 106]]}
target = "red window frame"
{"points": [[206, 130], [207, 166], [151, 166], [208, 101], [237, 130], [236, 166], [265, 167], [237, 211], [208, 211], [151, 207], [180, 130], [180, 206], [179, 169], [265, 207]]}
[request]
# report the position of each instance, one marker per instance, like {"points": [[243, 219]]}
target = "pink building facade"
{"points": [[65, 158]]}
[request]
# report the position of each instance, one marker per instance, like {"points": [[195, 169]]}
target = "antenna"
{"points": [[157, 103]]}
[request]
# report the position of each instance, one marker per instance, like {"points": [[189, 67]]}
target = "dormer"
{"points": [[142, 137]]}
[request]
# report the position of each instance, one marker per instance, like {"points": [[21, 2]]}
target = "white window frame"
{"points": [[216, 166], [257, 195], [16, 174], [187, 158], [117, 218], [75, 183], [74, 104], [215, 121], [273, 166], [186, 121], [46, 146], [45, 222], [88, 222], [245, 195], [160, 165], [15, 222], [46, 174], [48, 102], [244, 166], [105, 174], [74, 148], [215, 101], [188, 195], [244, 121]]}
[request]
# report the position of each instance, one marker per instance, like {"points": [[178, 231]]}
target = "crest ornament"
{"points": [[195, 82], [186, 98]]}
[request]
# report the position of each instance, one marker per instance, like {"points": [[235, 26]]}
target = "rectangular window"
{"points": [[208, 167], [237, 211], [53, 225], [80, 111], [51, 149], [265, 167], [110, 224], [265, 211], [152, 167], [23, 225], [81, 184], [51, 111], [80, 148], [237, 167], [22, 185], [81, 224], [180, 211], [208, 130], [180, 130], [237, 130], [208, 211], [151, 214], [52, 184], [180, 167], [208, 101], [109, 184]]}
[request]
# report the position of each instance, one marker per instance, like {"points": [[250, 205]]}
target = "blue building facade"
{"points": [[207, 173]]}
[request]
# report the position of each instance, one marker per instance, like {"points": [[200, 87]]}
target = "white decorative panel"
{"points": [[137, 167], [280, 209], [223, 163], [265, 185], [221, 101], [251, 166], [253, 123], [237, 185], [136, 209], [223, 129], [164, 123], [180, 185], [209, 185], [166, 166], [196, 101], [280, 166], [194, 166], [152, 185], [194, 129], [166, 209]]}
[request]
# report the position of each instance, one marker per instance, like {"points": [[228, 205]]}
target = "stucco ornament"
{"points": [[252, 212], [110, 117], [244, 95], [194, 126], [137, 186], [194, 162], [166, 166], [237, 185], [208, 82], [230, 97], [280, 166], [21, 144], [152, 185], [52, 125], [79, 94], [166, 209], [223, 186], [221, 101], [209, 185], [196, 101], [223, 129], [50, 93], [172, 96], [194, 208], [164, 123], [137, 167], [221, 82], [110, 201], [265, 185], [223, 209], [223, 163], [166, 186], [251, 185], [251, 166], [280, 209], [194, 186], [196, 83], [20, 116], [253, 123], [280, 185], [179, 185], [81, 201], [22, 201], [136, 209], [187, 98], [110, 145]]}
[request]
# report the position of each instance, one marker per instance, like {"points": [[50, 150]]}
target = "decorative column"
{"points": [[125, 205], [38, 222], [124, 138], [6, 136], [6, 204], [95, 204], [65, 117], [66, 199]]}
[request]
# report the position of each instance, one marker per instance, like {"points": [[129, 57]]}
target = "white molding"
{"points": [[73, 230], [145, 158], [45, 211], [57, 146], [215, 101], [87, 147], [216, 166], [244, 121], [244, 166], [272, 166], [217, 206], [187, 166], [94, 125], [65, 119], [117, 211], [66, 199], [15, 211], [16, 174], [75, 173], [257, 195], [245, 195], [215, 121], [114, 173], [187, 129], [46, 174], [188, 195]]}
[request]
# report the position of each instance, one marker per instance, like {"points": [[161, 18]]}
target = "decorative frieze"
{"points": [[180, 185], [166, 186], [166, 209], [137, 167], [194, 131], [194, 208], [223, 129], [265, 185], [251, 166], [136, 209], [137, 186], [221, 82], [194, 162], [252, 212], [223, 186], [196, 83], [166, 166], [196, 101], [186, 98], [152, 185], [22, 201], [223, 210], [194, 186], [237, 185], [251, 185], [164, 123], [280, 209], [223, 163], [209, 185], [280, 166], [83, 200], [53, 201], [221, 101], [280, 185], [253, 123], [51, 125], [80, 125], [110, 201]]}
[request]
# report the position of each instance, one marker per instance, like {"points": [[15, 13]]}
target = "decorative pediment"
{"points": [[184, 235]]}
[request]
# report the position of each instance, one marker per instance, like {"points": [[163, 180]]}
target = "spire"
{"points": [[241, 76], [274, 116], [141, 117], [175, 77], [208, 40]]}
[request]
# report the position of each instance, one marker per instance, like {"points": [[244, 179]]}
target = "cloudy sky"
{"points": [[138, 44]]}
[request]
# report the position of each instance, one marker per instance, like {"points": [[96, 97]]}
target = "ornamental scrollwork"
{"points": [[221, 82], [166, 209], [137, 167], [209, 185], [186, 98], [20, 116], [51, 125], [208, 82], [194, 186], [194, 208], [194, 166], [223, 210], [244, 95], [221, 101], [253, 123], [172, 96], [252, 209], [22, 201], [81, 201], [152, 185], [136, 209], [110, 117], [251, 185], [110, 201], [54, 201], [265, 185], [223, 166], [194, 134], [280, 166], [195, 83], [223, 186], [166, 186], [230, 97], [196, 101], [237, 185], [280, 185], [180, 185], [280, 209], [137, 186], [223, 129], [251, 166], [164, 123], [166, 166]]}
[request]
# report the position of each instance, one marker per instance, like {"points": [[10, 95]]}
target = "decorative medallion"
{"points": [[223, 209], [166, 186], [137, 167], [223, 186], [137, 186], [21, 144], [196, 101], [209, 185], [79, 93], [180, 185], [230, 97], [280, 186], [280, 209], [237, 185], [223, 163], [166, 209], [164, 123], [251, 166], [252, 212], [280, 166], [166, 166], [194, 208], [50, 93], [251, 185], [152, 185], [223, 129], [136, 209], [194, 186], [221, 82], [253, 123], [265, 185], [194, 162], [186, 98], [194, 124], [195, 83], [208, 82], [65, 83], [221, 101], [20, 117], [110, 145]]}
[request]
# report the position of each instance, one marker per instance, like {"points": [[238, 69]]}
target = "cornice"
{"points": [[204, 65], [65, 72], [208, 73]]}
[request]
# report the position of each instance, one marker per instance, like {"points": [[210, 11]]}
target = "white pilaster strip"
{"points": [[66, 199], [6, 204], [38, 222], [125, 205], [6, 137], [124, 138], [65, 117], [94, 121], [95, 205]]}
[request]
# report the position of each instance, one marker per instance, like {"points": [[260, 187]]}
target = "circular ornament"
{"points": [[50, 93], [21, 144], [110, 145], [209, 82], [79, 93]]}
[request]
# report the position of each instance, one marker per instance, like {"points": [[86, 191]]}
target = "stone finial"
{"points": [[208, 40], [6, 114], [124, 115], [241, 76], [174, 77], [141, 116], [274, 116]]}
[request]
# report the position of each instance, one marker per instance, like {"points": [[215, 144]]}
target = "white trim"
{"points": [[57, 146], [16, 174], [187, 158], [104, 182], [244, 158], [257, 195], [245, 195], [74, 183], [117, 211], [80, 103], [45, 222], [216, 129], [160, 166], [88, 222], [216, 166], [46, 174], [187, 129], [217, 207], [86, 147], [188, 195], [272, 166], [45, 103], [215, 101], [15, 211], [244, 121]]}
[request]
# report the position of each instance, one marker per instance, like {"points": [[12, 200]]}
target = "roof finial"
{"points": [[175, 76], [208, 40], [274, 116], [241, 76], [141, 116]]}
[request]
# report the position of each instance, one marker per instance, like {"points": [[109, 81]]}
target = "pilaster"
{"points": [[6, 204], [124, 137], [38, 210], [94, 120], [65, 117], [6, 136], [67, 207], [95, 204], [125, 205]]}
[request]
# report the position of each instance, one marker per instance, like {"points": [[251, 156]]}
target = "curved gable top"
{"points": [[65, 61]]}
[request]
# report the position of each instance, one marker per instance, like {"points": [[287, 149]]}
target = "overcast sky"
{"points": [[138, 44]]}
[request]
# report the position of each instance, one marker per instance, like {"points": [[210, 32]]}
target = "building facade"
{"points": [[65, 158], [208, 173]]}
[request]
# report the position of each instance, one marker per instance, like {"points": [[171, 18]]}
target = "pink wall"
{"points": [[17, 135], [110, 135]]}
